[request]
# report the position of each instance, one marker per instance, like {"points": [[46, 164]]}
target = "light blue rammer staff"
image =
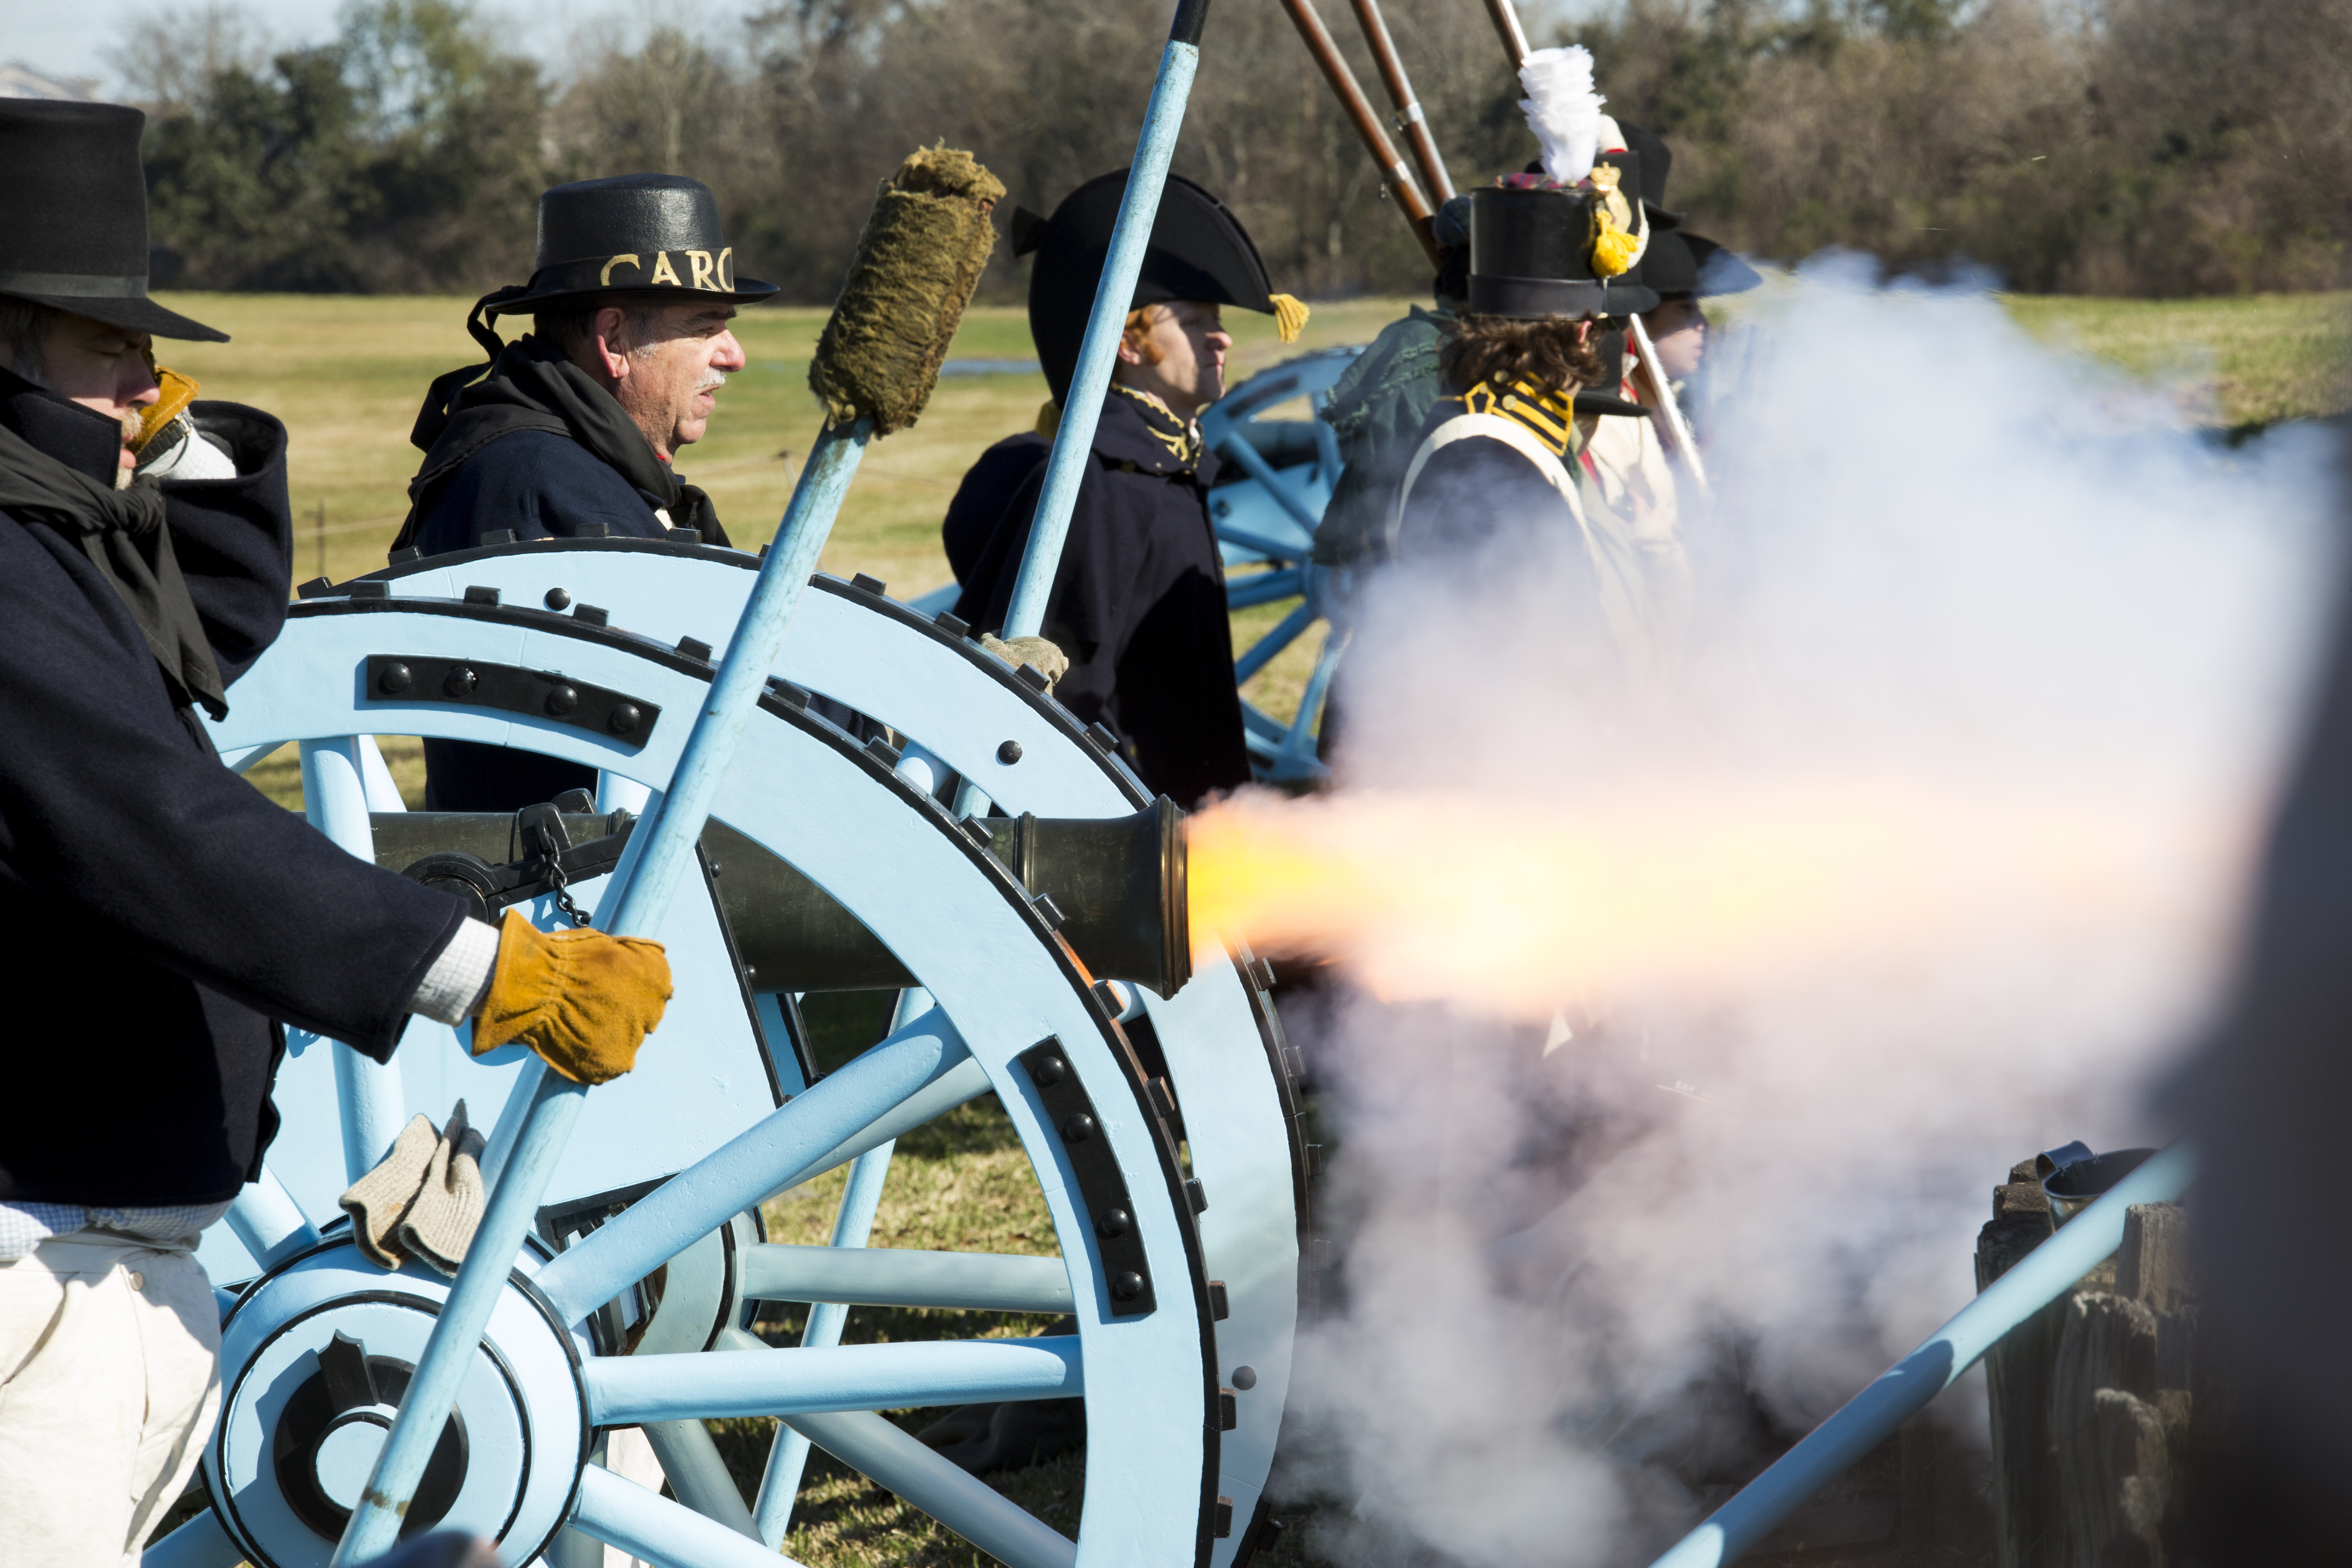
{"points": [[869, 389], [1074, 440]]}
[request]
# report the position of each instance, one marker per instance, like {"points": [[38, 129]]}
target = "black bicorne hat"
{"points": [[643, 235], [1198, 251], [1531, 256], [1657, 161], [76, 200], [1684, 263]]}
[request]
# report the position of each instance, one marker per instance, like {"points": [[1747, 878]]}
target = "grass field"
{"points": [[345, 375]]}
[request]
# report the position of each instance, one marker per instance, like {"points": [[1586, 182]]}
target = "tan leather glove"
{"points": [[583, 1000], [1051, 661], [178, 392]]}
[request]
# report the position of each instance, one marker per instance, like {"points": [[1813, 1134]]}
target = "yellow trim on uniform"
{"points": [[1551, 415]]}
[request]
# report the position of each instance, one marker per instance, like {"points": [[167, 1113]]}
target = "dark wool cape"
{"points": [[157, 912], [1138, 601]]}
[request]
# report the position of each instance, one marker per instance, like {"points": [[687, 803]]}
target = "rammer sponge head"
{"points": [[916, 264]]}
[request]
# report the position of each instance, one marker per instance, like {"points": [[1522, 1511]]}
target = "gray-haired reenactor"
{"points": [[574, 428]]}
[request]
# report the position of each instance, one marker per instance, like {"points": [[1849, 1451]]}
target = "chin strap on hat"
{"points": [[1290, 317], [434, 416]]}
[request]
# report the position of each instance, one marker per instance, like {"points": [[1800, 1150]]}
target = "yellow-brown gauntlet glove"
{"points": [[583, 1000]]}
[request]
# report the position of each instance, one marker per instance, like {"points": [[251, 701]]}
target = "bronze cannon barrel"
{"points": [[1118, 883]]}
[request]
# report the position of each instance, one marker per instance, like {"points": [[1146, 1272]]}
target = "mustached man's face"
{"points": [[668, 381], [102, 368]]}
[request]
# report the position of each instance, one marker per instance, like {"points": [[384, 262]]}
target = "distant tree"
{"points": [[405, 155]]}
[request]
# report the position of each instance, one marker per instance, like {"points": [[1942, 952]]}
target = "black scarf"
{"points": [[124, 534], [531, 386]]}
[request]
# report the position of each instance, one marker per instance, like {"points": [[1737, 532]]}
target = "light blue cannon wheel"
{"points": [[838, 812], [1266, 518], [959, 709]]}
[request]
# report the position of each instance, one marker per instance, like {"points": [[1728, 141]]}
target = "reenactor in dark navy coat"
{"points": [[163, 919], [1139, 601], [573, 429]]}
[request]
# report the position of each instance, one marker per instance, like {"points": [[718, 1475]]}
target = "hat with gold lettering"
{"points": [[641, 234]]}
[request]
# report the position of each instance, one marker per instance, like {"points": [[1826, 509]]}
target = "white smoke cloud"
{"points": [[1945, 554]]}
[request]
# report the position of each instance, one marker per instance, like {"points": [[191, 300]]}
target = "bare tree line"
{"points": [[2114, 146]]}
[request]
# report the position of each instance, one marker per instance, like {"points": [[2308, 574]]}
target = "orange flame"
{"points": [[1518, 906]]}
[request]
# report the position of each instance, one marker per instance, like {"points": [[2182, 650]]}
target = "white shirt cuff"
{"points": [[453, 989]]}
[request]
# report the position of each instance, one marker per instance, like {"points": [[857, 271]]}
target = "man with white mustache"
{"points": [[572, 429]]}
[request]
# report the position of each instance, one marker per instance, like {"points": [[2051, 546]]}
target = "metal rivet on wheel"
{"points": [[624, 719], [392, 677], [1245, 1378], [1114, 1222], [461, 683], [1078, 1129], [1009, 753], [557, 599], [562, 699], [1127, 1285], [1049, 1070], [480, 595]]}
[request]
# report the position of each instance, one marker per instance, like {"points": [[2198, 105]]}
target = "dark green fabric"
{"points": [[1376, 410]]}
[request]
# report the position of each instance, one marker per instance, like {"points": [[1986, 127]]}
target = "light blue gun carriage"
{"points": [[1179, 1264]]}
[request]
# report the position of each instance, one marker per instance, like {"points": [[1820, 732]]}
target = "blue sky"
{"points": [[70, 40]]}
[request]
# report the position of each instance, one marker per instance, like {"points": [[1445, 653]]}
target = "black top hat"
{"points": [[1657, 161], [1198, 251], [76, 200], [1681, 263], [631, 233], [1531, 254]]}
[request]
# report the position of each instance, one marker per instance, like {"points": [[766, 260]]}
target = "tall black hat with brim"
{"points": [[1531, 254], [651, 236], [1657, 162], [76, 200], [1198, 251], [1693, 265]]}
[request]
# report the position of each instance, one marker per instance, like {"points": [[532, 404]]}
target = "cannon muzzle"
{"points": [[1117, 882]]}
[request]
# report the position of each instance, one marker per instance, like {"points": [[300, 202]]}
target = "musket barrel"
{"points": [[1393, 172], [1410, 119]]}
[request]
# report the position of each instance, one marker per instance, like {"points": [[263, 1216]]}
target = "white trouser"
{"points": [[110, 1382]]}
